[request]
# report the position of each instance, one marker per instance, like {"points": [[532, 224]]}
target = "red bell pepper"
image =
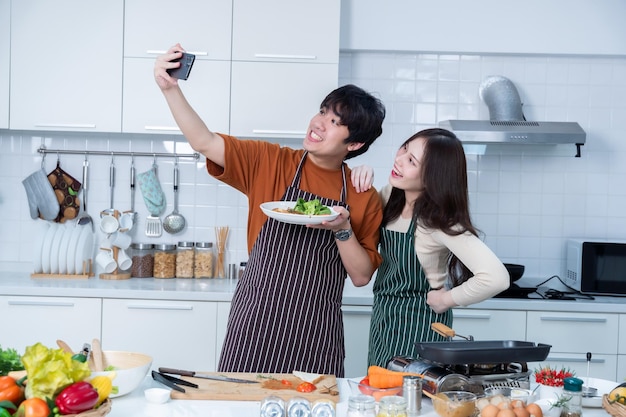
{"points": [[76, 398]]}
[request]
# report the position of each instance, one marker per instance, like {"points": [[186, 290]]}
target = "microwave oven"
{"points": [[596, 266]]}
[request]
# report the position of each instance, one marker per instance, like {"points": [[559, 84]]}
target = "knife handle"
{"points": [[176, 371]]}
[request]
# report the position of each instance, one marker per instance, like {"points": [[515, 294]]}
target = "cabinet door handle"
{"points": [[159, 307], [355, 311], [576, 319], [67, 125], [163, 128], [557, 359], [280, 56], [472, 316], [161, 52], [279, 132], [41, 303]]}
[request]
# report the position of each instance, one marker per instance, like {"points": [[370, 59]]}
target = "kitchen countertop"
{"points": [[21, 284]]}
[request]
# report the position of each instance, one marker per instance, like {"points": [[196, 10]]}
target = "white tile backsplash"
{"points": [[526, 199]]}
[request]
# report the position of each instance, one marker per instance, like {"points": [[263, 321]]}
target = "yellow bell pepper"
{"points": [[104, 385]]}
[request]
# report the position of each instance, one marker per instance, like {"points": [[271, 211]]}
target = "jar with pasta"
{"points": [[164, 261], [184, 260], [204, 260]]}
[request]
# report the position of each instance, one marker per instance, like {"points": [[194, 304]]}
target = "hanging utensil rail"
{"points": [[44, 150]]}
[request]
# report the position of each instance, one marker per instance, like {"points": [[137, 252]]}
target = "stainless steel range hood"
{"points": [[507, 123]]}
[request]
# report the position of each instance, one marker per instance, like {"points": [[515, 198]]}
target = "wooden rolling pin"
{"points": [[445, 331]]}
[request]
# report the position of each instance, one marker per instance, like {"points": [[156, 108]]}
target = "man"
{"points": [[286, 310]]}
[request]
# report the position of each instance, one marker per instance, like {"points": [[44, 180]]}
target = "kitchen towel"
{"points": [[151, 191], [41, 197]]}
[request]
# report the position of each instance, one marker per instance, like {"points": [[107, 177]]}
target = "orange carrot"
{"points": [[380, 377]]}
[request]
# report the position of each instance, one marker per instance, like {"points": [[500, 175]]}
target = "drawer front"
{"points": [[600, 366], [490, 324], [574, 332]]}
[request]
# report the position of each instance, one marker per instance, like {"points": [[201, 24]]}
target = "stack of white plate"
{"points": [[62, 248]]}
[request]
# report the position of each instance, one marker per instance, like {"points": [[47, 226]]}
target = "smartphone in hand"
{"points": [[186, 62]]}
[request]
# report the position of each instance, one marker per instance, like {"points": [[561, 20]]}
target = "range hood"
{"points": [[507, 123]]}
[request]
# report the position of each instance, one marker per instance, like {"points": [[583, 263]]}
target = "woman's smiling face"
{"points": [[407, 168]]}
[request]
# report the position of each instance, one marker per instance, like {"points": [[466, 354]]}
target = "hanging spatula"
{"points": [[445, 331]]}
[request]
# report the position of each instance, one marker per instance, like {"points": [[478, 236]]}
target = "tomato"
{"points": [[285, 382], [10, 391], [33, 407], [364, 386], [306, 387]]}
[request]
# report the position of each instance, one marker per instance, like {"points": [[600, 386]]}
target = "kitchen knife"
{"points": [[205, 376]]}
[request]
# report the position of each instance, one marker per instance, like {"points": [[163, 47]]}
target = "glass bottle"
{"points": [[323, 408], [298, 407], [205, 257], [184, 260], [392, 406], [573, 396], [142, 255], [164, 261], [272, 406], [242, 269], [361, 406]]}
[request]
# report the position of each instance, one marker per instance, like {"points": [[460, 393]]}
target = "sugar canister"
{"points": [[361, 406], [203, 265]]}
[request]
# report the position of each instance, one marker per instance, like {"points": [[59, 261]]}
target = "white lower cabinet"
{"points": [[48, 319], [490, 324], [177, 334], [572, 335], [223, 310], [356, 325]]}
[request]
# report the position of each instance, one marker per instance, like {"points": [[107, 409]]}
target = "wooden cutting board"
{"points": [[233, 391]]}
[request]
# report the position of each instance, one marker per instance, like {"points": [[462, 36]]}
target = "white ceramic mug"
{"points": [[123, 260], [109, 224], [127, 221], [105, 260], [121, 240]]}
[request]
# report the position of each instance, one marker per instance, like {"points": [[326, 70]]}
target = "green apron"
{"points": [[400, 315]]}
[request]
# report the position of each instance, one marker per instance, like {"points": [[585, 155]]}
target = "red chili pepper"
{"points": [[76, 398]]}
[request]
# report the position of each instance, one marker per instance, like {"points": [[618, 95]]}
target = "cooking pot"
{"points": [[515, 271]]}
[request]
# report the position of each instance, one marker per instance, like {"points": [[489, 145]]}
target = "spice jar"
{"points": [[573, 396], [142, 255], [392, 406], [361, 406], [164, 261], [203, 267], [184, 260], [242, 268]]}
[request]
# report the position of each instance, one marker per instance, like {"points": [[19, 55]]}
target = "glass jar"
{"points": [[242, 269], [203, 267], [573, 396], [361, 406], [323, 408], [392, 406], [142, 255], [184, 260], [164, 261]]}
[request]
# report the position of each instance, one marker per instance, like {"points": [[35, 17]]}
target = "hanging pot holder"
{"points": [[66, 189], [151, 191]]}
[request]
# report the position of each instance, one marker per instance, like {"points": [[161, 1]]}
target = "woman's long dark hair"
{"points": [[443, 203]]}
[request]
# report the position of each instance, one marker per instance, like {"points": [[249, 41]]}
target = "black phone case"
{"points": [[182, 72]]}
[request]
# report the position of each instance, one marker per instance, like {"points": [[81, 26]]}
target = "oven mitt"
{"points": [[66, 189], [41, 197], [151, 191]]}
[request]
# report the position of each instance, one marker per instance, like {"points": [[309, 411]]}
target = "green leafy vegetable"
{"points": [[313, 207], [9, 361], [51, 370]]}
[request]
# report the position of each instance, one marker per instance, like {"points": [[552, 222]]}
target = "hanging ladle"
{"points": [[174, 222], [85, 219]]}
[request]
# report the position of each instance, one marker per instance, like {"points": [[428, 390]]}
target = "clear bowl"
{"points": [[513, 394], [455, 404], [357, 388]]}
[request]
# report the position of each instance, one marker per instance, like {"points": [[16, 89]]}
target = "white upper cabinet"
{"points": [[5, 55], [286, 30], [485, 26], [203, 28], [285, 61], [66, 65]]}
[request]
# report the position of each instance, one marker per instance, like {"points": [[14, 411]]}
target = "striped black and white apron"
{"points": [[286, 311], [400, 315]]}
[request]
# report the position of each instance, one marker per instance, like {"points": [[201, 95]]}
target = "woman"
{"points": [[433, 259]]}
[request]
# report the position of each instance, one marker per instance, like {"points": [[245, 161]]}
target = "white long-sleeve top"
{"points": [[432, 247]]}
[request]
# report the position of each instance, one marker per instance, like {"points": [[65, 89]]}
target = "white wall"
{"points": [[527, 201]]}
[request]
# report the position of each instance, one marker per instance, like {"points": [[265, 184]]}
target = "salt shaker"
{"points": [[412, 393]]}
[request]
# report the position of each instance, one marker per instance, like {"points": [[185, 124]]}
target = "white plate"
{"points": [[84, 248], [47, 245], [56, 248], [70, 259], [268, 209], [64, 246], [41, 230], [603, 386]]}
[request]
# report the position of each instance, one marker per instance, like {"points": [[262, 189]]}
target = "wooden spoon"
{"points": [[64, 346], [96, 353]]}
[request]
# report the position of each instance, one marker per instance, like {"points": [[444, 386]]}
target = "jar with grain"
{"points": [[204, 260], [184, 260], [142, 255], [164, 261]]}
